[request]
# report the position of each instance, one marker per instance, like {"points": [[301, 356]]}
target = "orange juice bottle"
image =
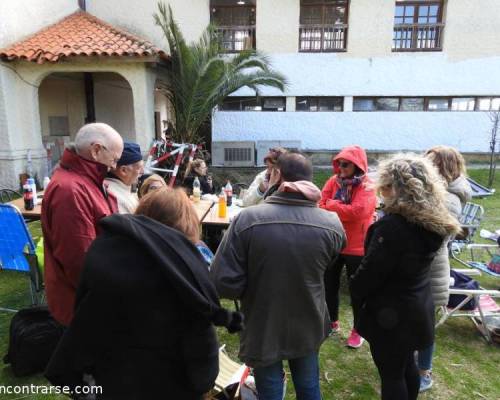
{"points": [[222, 205]]}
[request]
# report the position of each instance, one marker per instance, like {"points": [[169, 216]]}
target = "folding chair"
{"points": [[486, 306], [17, 251], [470, 220], [7, 195], [229, 371]]}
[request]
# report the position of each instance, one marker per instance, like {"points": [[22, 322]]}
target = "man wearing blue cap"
{"points": [[126, 173]]}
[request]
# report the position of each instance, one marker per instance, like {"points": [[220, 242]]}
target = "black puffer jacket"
{"points": [[394, 284], [143, 316]]}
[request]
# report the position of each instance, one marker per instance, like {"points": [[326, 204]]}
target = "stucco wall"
{"points": [[278, 26], [62, 96], [20, 18], [472, 29], [467, 131], [137, 16], [114, 104]]}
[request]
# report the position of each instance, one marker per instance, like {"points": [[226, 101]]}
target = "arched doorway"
{"points": [[68, 100]]}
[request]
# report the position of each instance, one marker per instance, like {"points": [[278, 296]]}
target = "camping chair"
{"points": [[486, 306], [17, 250], [229, 372], [7, 195], [470, 219]]}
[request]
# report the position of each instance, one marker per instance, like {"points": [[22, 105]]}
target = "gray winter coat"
{"points": [[459, 192], [273, 258]]}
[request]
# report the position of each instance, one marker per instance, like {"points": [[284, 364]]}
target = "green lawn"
{"points": [[465, 367]]}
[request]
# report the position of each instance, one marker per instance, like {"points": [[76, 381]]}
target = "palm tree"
{"points": [[200, 76]]}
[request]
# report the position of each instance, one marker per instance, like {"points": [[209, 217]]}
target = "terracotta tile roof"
{"points": [[79, 34]]}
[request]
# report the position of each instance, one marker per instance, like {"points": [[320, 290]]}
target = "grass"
{"points": [[465, 367]]}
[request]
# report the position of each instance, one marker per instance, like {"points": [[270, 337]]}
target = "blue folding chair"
{"points": [[17, 250]]}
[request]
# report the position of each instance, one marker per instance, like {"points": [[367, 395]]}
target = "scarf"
{"points": [[346, 185], [308, 189]]}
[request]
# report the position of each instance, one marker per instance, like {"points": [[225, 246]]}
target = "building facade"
{"points": [[386, 74]]}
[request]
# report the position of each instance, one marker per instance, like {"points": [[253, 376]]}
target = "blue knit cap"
{"points": [[131, 154]]}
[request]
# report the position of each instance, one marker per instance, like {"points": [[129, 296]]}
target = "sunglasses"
{"points": [[345, 164]]}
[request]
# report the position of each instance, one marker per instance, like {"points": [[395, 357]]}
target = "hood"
{"points": [[354, 154], [180, 262], [461, 188]]}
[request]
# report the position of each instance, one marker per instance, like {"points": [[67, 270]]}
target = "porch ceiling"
{"points": [[80, 34]]}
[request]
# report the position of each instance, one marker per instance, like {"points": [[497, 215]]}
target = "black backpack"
{"points": [[34, 335]]}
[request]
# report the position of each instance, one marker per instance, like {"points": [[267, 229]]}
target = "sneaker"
{"points": [[425, 382], [334, 328], [355, 341]]}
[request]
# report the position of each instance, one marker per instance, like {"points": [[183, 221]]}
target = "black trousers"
{"points": [[332, 285], [398, 371]]}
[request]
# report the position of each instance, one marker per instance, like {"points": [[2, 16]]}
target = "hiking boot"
{"points": [[355, 341], [425, 382], [334, 328]]}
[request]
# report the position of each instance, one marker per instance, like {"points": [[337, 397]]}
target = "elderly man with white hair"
{"points": [[74, 202]]}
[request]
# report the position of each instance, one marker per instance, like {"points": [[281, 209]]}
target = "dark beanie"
{"points": [[131, 154]]}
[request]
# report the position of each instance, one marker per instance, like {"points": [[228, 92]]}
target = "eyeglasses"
{"points": [[345, 164], [115, 159]]}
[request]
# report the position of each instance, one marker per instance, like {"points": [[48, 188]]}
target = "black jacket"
{"points": [[204, 186], [393, 283], [143, 316]]}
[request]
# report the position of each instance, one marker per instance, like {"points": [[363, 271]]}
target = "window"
{"points": [[438, 104], [323, 25], [235, 21], [488, 104], [319, 103], [418, 25], [253, 104], [416, 104], [412, 104], [463, 104], [376, 104]]}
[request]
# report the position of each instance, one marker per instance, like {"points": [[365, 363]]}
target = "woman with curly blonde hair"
{"points": [[392, 282]]}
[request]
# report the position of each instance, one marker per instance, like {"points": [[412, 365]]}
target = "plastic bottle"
{"points": [[222, 205], [46, 182], [229, 194], [196, 190], [32, 183], [28, 196]]}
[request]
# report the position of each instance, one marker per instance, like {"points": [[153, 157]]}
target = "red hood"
{"points": [[94, 170], [354, 154]]}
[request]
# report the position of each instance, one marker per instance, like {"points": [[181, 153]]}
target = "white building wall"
{"points": [[137, 16], [20, 18], [467, 131]]}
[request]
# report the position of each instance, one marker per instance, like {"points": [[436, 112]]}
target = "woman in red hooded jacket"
{"points": [[347, 194]]}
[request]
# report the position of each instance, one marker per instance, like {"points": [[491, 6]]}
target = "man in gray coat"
{"points": [[273, 258]]}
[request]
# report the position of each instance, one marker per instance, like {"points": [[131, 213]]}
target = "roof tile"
{"points": [[79, 34]]}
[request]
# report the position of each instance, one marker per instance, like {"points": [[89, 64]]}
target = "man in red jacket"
{"points": [[73, 204]]}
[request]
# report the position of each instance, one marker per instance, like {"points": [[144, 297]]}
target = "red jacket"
{"points": [[358, 215], [72, 206]]}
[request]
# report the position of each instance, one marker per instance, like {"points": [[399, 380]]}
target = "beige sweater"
{"points": [[127, 201]]}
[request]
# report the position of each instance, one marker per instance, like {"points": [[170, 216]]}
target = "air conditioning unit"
{"points": [[233, 154], [263, 147]]}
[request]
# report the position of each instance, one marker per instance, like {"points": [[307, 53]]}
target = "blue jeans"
{"points": [[425, 358], [305, 376]]}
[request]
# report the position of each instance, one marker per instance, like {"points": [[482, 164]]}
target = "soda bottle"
{"points": [[222, 205], [229, 193], [32, 183], [28, 197], [196, 190]]}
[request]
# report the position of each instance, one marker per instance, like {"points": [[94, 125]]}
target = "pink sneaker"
{"points": [[355, 341], [334, 327]]}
